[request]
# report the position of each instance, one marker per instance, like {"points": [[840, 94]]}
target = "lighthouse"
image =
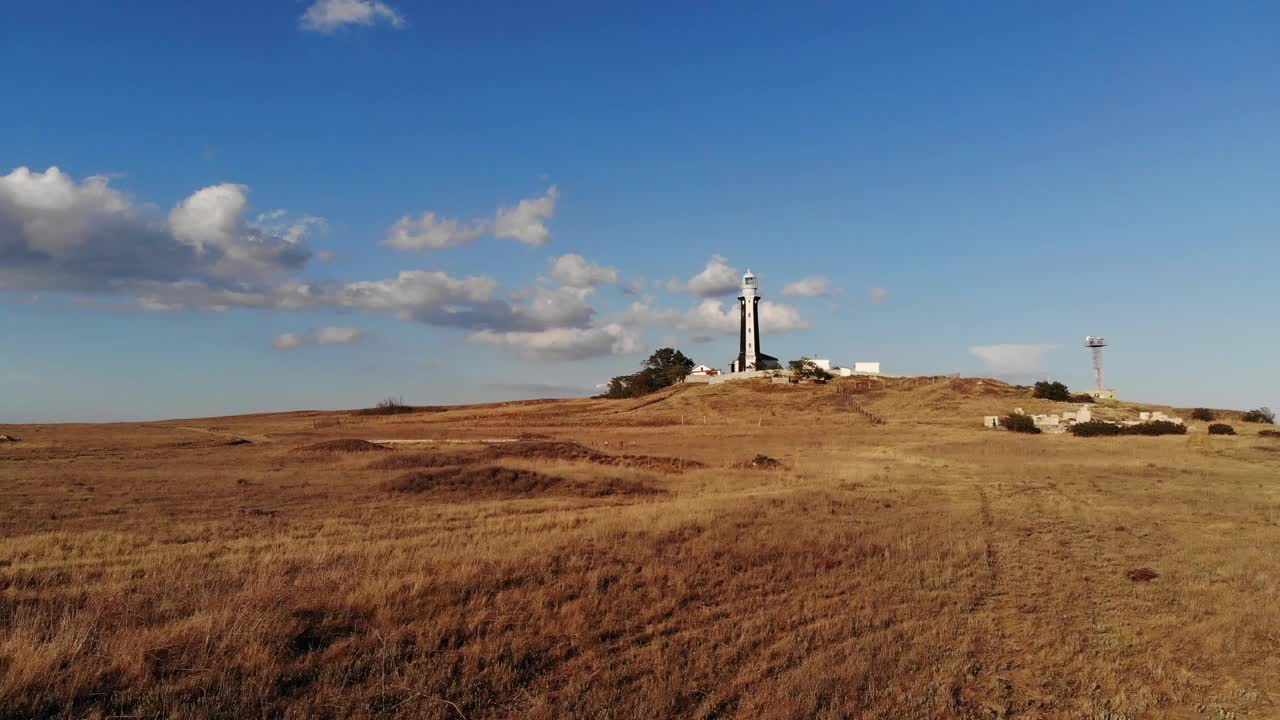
{"points": [[749, 355]]}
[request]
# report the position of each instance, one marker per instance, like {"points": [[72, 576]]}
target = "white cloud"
{"points": [[338, 335], [417, 290], [812, 286], [526, 221], [327, 16], [717, 278], [289, 341], [428, 232], [1011, 359], [576, 271], [878, 294], [320, 336], [565, 343], [61, 235], [213, 220]]}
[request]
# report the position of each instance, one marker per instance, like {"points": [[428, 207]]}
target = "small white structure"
{"points": [[824, 364], [867, 368], [1053, 423], [704, 370], [1102, 394]]}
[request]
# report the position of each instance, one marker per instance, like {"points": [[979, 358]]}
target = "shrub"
{"points": [[1260, 415], [1156, 427], [389, 406], [1099, 428], [1221, 429], [1019, 423], [1051, 391], [1269, 433], [1083, 398], [1095, 428], [1203, 414]]}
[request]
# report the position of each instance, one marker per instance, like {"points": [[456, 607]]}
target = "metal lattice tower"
{"points": [[1095, 345]]}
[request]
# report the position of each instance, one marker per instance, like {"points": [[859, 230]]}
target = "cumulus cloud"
{"points": [[62, 235], [576, 271], [878, 295], [565, 343], [526, 221], [1011, 359], [327, 16], [428, 232], [812, 286], [717, 278]]}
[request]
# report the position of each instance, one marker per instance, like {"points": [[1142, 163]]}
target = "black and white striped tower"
{"points": [[749, 332]]}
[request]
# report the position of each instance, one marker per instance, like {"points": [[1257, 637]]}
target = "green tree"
{"points": [[669, 366], [664, 368], [805, 369], [1051, 391]]}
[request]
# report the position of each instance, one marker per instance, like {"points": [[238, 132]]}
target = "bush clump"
{"points": [[1095, 428], [1155, 427], [389, 406], [1019, 423], [1260, 415], [1203, 414], [1221, 429], [1051, 391], [1099, 428], [1269, 433], [1083, 398]]}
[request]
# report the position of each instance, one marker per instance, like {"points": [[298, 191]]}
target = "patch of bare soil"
{"points": [[415, 460], [760, 462], [345, 445], [499, 481], [572, 451]]}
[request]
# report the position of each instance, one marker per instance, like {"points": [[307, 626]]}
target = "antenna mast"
{"points": [[1095, 345]]}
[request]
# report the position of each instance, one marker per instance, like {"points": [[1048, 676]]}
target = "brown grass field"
{"points": [[625, 560]]}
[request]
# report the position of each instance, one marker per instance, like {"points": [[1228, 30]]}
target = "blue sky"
{"points": [[500, 200]]}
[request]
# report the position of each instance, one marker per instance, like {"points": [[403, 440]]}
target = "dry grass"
{"points": [[922, 568]]}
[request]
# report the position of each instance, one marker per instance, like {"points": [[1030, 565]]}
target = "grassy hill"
{"points": [[635, 559]]}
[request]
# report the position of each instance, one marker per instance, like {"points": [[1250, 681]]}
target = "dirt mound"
{"points": [[760, 462], [574, 452], [1142, 574], [500, 481], [416, 460], [238, 441], [345, 445]]}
